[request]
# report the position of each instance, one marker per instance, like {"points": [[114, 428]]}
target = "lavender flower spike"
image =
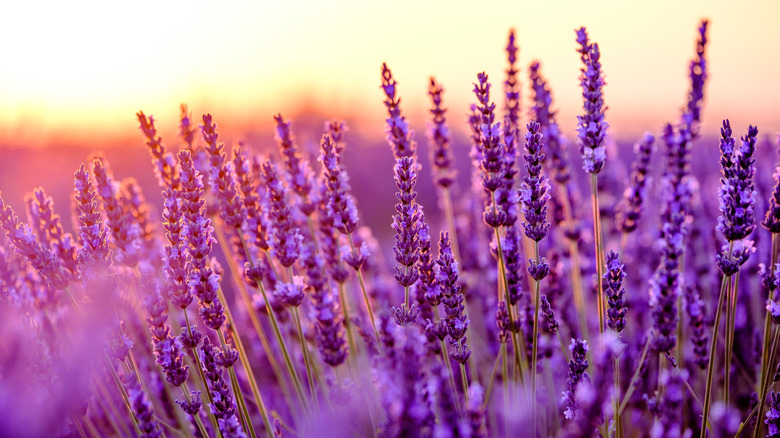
{"points": [[630, 209], [772, 219], [737, 195], [223, 176], [285, 238], [340, 205], [577, 366], [534, 191], [43, 259], [550, 130], [447, 278], [399, 136], [698, 76], [439, 137], [613, 289], [407, 223], [591, 127]]}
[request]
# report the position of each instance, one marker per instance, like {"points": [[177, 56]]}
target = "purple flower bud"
{"points": [[538, 269], [549, 315], [291, 294], [630, 209], [439, 137], [397, 131]]}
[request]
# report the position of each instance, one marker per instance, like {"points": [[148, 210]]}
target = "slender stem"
{"points": [[449, 214], [767, 327], [634, 378], [306, 357], [446, 359], [713, 347], [198, 421], [464, 380], [730, 339], [599, 248], [618, 419], [347, 320], [505, 384], [519, 353], [243, 411], [491, 381], [563, 346], [765, 383], [366, 299], [199, 366], [250, 310], [535, 341], [575, 271], [283, 345]]}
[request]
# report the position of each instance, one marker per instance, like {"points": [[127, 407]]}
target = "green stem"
{"points": [[449, 214], [599, 248], [535, 341], [347, 321], [618, 417], [243, 411], [713, 347], [634, 378], [576, 272], [519, 353], [306, 357], [464, 380], [285, 352], [491, 381], [366, 299], [198, 421], [767, 327], [253, 317]]}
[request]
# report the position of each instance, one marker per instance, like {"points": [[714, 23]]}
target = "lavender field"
{"points": [[499, 279]]}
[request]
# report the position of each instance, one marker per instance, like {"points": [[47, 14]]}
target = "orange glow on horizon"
{"points": [[79, 72]]}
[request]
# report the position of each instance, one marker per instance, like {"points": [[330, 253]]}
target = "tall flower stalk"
{"points": [[591, 137], [737, 221], [442, 158], [534, 195]]}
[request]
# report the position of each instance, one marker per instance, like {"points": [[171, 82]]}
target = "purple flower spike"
{"points": [[772, 218], [439, 137], [223, 176], [94, 255], [514, 264], [549, 126], [301, 175], [577, 366], [630, 209], [164, 163], [695, 308], [549, 315], [591, 127], [698, 76], [49, 228], [143, 410], [534, 191], [774, 310], [773, 415], [406, 222], [286, 237], [538, 269], [340, 205], [737, 195], [665, 287], [613, 289], [397, 131], [447, 278]]}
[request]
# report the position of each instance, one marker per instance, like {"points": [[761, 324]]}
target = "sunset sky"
{"points": [[81, 70]]}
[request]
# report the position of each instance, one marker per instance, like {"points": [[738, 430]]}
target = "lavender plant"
{"points": [[99, 339]]}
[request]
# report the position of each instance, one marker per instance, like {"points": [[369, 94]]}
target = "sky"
{"points": [[78, 71]]}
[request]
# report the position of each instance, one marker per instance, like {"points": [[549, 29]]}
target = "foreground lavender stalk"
{"points": [[737, 205], [442, 158], [591, 136], [534, 195], [406, 223]]}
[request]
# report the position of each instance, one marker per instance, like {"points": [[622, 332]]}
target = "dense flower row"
{"points": [[261, 307]]}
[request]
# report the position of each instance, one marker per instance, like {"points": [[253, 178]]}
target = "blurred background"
{"points": [[74, 74]]}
